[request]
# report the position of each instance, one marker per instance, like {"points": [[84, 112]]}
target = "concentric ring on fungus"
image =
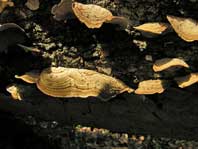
{"points": [[73, 82], [150, 87], [92, 15]]}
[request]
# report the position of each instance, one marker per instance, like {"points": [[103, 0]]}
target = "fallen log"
{"points": [[173, 114]]}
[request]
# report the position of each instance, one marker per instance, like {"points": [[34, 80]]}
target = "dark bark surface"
{"points": [[171, 114], [113, 51]]}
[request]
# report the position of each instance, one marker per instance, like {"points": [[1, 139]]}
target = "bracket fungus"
{"points": [[20, 92], [148, 87], [29, 77], [32, 4], [11, 34], [62, 10], [14, 91], [155, 28], [73, 82], [93, 16], [165, 63], [5, 3], [186, 28], [188, 80]]}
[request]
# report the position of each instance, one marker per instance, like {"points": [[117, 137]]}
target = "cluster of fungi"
{"points": [[72, 82]]}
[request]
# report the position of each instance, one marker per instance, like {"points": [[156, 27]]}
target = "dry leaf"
{"points": [[188, 80], [62, 10], [5, 3], [186, 28], [32, 4], [92, 15], [156, 28], [150, 87], [166, 63]]}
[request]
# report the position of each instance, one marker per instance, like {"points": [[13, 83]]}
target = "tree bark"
{"points": [[173, 115]]}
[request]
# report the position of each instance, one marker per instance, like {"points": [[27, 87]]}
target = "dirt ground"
{"points": [[123, 53]]}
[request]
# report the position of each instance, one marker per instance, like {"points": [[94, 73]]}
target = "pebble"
{"points": [[149, 58]]}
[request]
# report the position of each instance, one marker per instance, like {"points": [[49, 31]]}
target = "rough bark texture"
{"points": [[174, 114]]}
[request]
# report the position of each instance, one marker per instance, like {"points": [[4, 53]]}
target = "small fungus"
{"points": [[92, 15], [151, 87], [165, 63], [156, 28], [188, 80], [186, 28], [14, 91], [29, 77]]}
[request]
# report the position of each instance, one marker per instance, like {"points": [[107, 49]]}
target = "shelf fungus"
{"points": [[14, 91], [5, 3], [155, 28], [11, 34], [63, 10], [148, 87], [165, 63], [32, 4], [73, 82], [188, 80], [93, 16], [21, 92], [186, 28], [29, 77]]}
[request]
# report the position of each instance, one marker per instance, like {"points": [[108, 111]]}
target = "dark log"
{"points": [[173, 115]]}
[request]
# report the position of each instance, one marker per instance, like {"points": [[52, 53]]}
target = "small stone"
{"points": [[44, 125], [50, 46], [96, 54], [141, 44], [73, 49], [59, 45], [149, 58]]}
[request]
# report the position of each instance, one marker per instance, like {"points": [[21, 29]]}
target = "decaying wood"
{"points": [[127, 113]]}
